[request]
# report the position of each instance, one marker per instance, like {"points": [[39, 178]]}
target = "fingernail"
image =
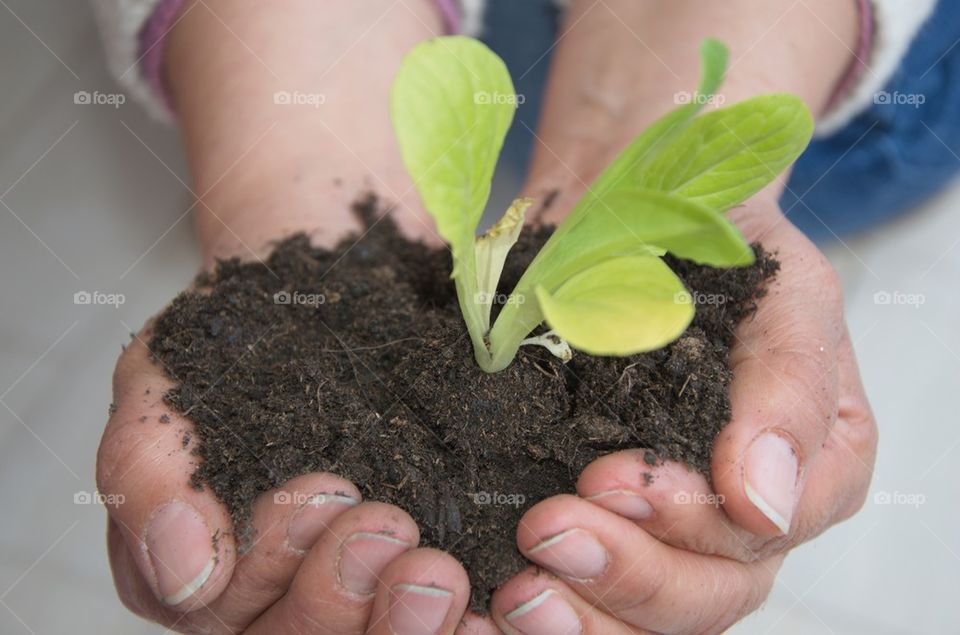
{"points": [[575, 553], [181, 551], [546, 614], [363, 556], [770, 478], [314, 515], [418, 610], [627, 503]]}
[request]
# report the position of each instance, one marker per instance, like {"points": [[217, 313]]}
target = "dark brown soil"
{"points": [[377, 383]]}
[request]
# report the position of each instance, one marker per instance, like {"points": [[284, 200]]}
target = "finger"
{"points": [[334, 588], [840, 475], [536, 603], [179, 537], [422, 592], [670, 502], [132, 587], [677, 505], [785, 387], [285, 523], [618, 567]]}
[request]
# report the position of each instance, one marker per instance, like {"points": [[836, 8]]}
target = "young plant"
{"points": [[599, 282]]}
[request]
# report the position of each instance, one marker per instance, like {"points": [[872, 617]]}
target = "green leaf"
{"points": [[713, 59], [730, 154], [632, 220], [683, 227], [619, 307], [452, 103]]}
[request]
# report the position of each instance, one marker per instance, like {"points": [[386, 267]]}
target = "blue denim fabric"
{"points": [[884, 163], [522, 32], [893, 156]]}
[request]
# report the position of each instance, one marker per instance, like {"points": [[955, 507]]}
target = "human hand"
{"points": [[322, 560], [795, 459]]}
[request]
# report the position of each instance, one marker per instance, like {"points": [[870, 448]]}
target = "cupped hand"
{"points": [[322, 560], [677, 555]]}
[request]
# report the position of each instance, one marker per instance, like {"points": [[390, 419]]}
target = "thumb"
{"points": [[784, 393], [180, 538]]}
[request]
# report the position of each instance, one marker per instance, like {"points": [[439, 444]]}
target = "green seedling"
{"points": [[599, 283]]}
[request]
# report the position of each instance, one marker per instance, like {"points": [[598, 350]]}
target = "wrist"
{"points": [[264, 166]]}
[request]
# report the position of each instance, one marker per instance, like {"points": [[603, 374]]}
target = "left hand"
{"points": [[796, 458]]}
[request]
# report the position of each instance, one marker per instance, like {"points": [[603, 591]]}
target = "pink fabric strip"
{"points": [[153, 41], [859, 64], [153, 38]]}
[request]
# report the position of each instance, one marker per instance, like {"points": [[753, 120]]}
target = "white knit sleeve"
{"points": [[120, 23]]}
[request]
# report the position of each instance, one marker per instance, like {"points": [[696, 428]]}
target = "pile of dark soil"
{"points": [[368, 372]]}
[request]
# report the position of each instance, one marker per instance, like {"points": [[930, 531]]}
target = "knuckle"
{"points": [[752, 598], [746, 597], [854, 504], [304, 614], [257, 586], [804, 366], [806, 376], [815, 274], [736, 589], [860, 439], [116, 451], [744, 548], [829, 280], [128, 459], [647, 579]]}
